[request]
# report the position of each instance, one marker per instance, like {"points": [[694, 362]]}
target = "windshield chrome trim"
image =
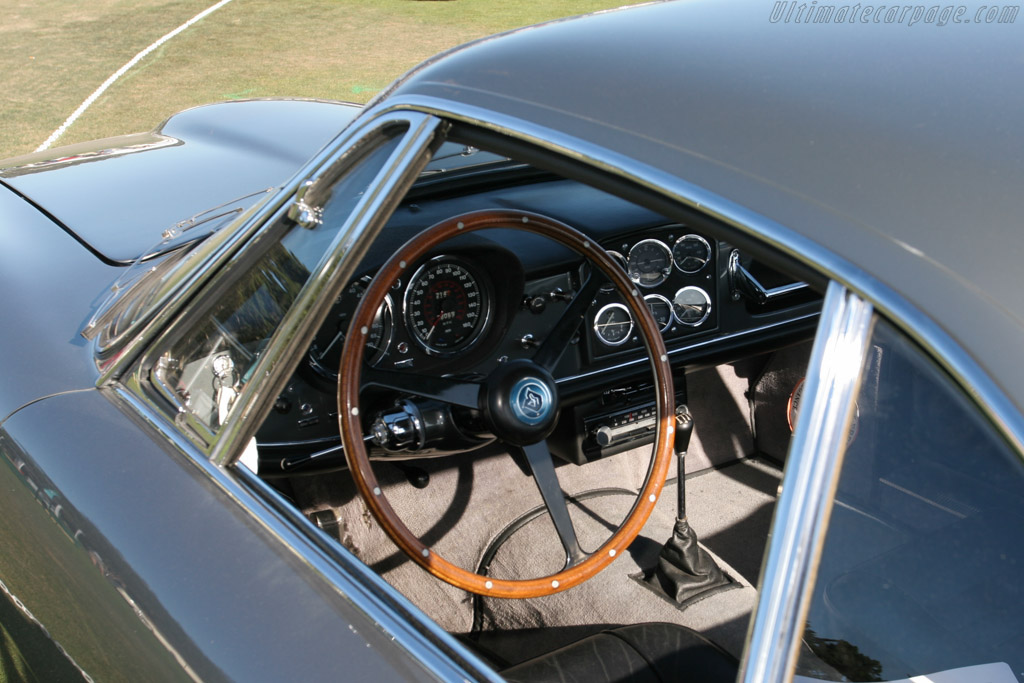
{"points": [[295, 331], [118, 359], [808, 485], [397, 617], [224, 250], [217, 248]]}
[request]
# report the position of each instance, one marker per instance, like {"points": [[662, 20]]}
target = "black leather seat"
{"points": [[642, 653]]}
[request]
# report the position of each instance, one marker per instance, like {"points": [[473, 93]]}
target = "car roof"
{"points": [[895, 146]]}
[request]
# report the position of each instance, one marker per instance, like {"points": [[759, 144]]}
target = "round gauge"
{"points": [[691, 253], [661, 310], [445, 306], [621, 260], [649, 263], [613, 324], [691, 306], [325, 351]]}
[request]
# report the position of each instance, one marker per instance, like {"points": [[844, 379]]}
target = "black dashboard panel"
{"points": [[706, 295]]}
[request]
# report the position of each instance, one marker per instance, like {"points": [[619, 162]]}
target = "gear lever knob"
{"points": [[684, 429]]}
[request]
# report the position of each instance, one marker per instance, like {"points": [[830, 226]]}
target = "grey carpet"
{"points": [[465, 508], [471, 499]]}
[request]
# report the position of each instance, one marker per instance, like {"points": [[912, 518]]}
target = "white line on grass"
{"points": [[121, 72]]}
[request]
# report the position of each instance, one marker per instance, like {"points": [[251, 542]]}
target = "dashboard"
{"points": [[491, 297]]}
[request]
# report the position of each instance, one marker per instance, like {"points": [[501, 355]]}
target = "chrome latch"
{"points": [[302, 212]]}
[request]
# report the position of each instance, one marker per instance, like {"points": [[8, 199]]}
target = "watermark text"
{"points": [[801, 12]]}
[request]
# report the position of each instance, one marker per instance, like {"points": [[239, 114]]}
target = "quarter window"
{"points": [[208, 366]]}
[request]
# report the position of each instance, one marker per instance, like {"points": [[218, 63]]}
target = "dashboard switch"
{"points": [[528, 342], [536, 304]]}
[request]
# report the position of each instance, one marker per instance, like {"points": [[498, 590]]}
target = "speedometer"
{"points": [[445, 306]]}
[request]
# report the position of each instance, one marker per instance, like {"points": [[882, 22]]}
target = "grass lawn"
{"points": [[55, 53]]}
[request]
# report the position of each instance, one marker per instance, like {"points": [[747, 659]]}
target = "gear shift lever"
{"points": [[684, 430], [685, 572]]}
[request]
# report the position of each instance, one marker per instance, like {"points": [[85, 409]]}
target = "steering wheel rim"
{"points": [[352, 369]]}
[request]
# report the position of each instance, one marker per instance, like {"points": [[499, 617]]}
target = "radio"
{"points": [[622, 419], [631, 424]]}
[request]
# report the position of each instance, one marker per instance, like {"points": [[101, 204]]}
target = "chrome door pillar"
{"points": [[808, 486]]}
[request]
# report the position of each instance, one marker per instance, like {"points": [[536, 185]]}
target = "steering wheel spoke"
{"points": [[459, 392], [538, 457], [557, 340]]}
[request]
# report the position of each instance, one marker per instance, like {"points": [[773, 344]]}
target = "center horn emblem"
{"points": [[531, 400]]}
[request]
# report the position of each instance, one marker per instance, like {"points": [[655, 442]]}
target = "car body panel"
{"points": [[870, 153], [200, 614], [118, 195], [51, 310]]}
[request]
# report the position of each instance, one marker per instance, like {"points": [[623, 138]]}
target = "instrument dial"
{"points": [[691, 306], [325, 351], [649, 263], [691, 253], [445, 306], [661, 310], [613, 324]]}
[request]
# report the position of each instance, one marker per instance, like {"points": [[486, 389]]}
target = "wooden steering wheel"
{"points": [[519, 401]]}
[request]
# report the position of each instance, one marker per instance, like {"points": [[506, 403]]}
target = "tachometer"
{"points": [[325, 351], [445, 306]]}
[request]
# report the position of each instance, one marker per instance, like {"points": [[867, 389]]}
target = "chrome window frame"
{"points": [[991, 400], [808, 485], [253, 397], [297, 328]]}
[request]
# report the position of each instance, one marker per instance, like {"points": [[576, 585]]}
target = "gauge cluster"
{"points": [[449, 308], [674, 268]]}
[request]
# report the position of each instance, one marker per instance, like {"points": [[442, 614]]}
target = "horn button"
{"points": [[522, 402]]}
